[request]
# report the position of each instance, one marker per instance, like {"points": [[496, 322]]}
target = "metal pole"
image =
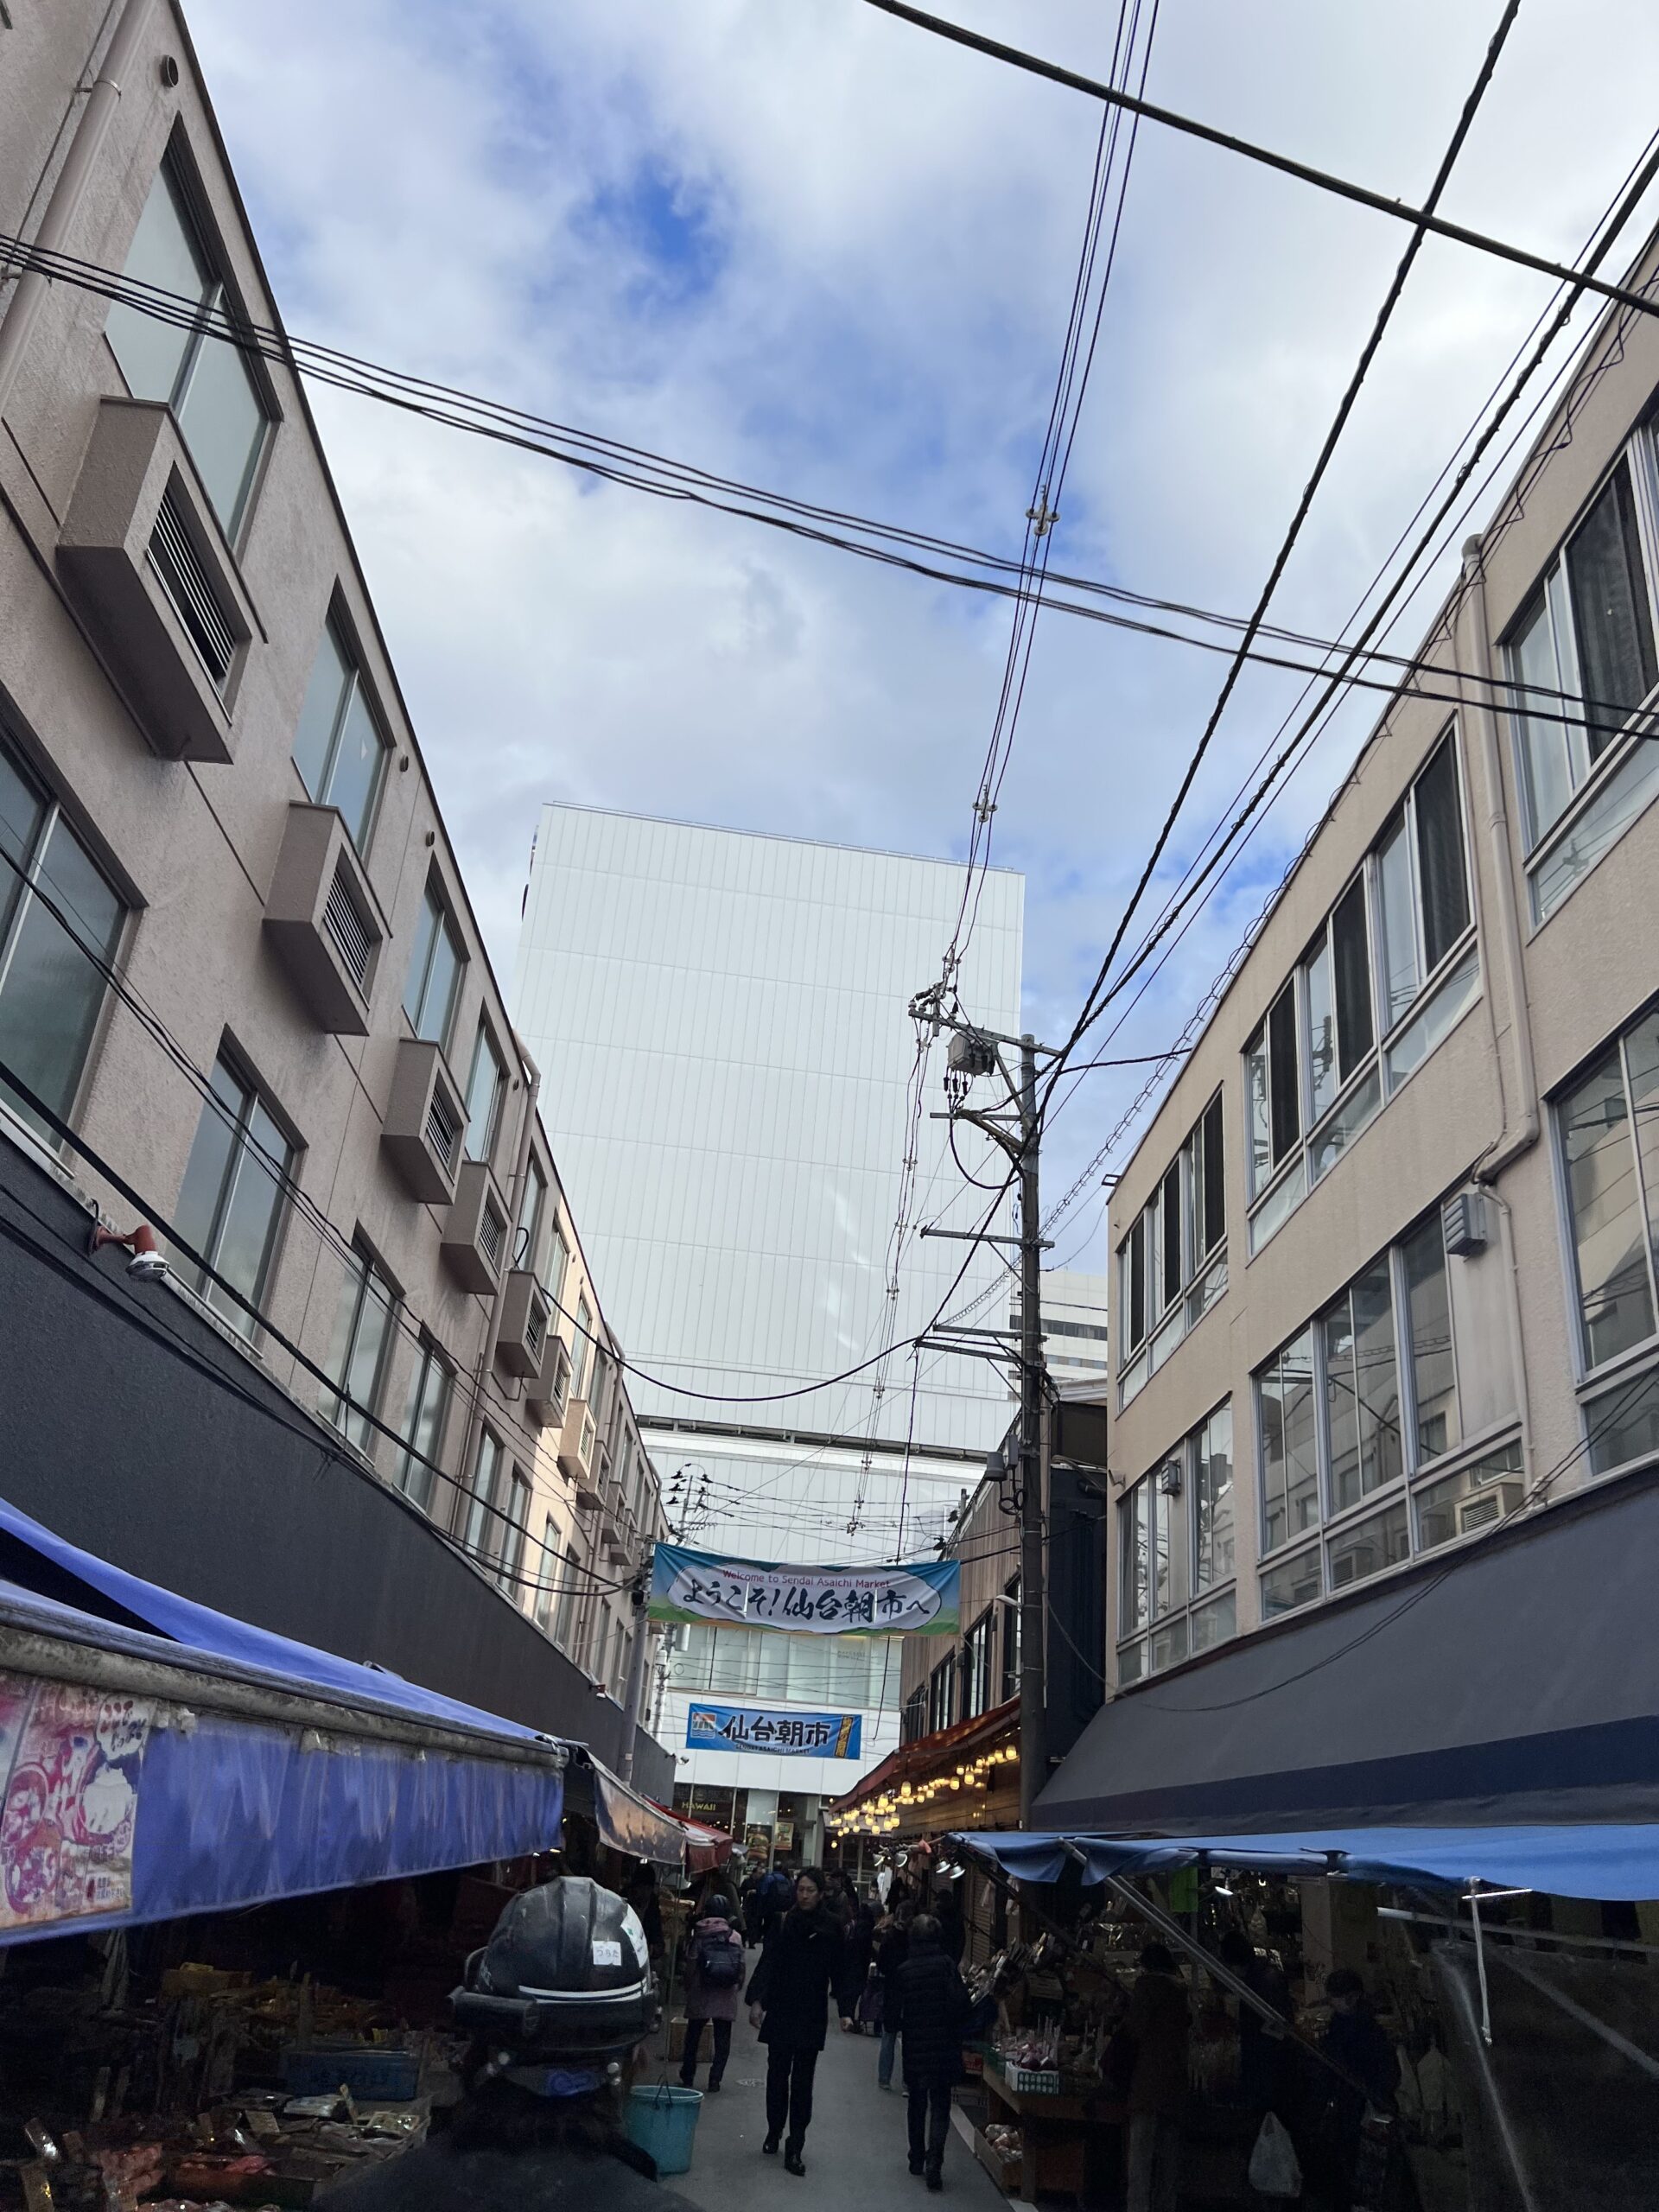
{"points": [[1033, 1730], [633, 1695]]}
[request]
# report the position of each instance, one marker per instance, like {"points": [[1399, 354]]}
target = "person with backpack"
{"points": [[928, 2010], [714, 1980], [773, 1901]]}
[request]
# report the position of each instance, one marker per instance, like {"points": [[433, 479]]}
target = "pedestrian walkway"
{"points": [[854, 2155]]}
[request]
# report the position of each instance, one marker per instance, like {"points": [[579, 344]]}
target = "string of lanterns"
{"points": [[886, 1812]]}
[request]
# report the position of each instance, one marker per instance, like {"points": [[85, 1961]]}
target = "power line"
{"points": [[1303, 505], [1361, 195]]}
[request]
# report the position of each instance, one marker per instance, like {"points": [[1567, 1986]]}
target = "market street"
{"points": [[854, 2150]]}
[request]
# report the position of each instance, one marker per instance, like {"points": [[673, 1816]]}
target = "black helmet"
{"points": [[566, 1973]]}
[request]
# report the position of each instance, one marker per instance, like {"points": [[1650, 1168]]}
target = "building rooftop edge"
{"points": [[775, 836]]}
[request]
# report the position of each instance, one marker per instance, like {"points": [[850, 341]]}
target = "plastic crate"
{"points": [[366, 2070], [1031, 2080]]}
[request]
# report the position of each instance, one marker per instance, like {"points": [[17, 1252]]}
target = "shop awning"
{"points": [[626, 1821], [1614, 1860], [705, 1848], [213, 1767], [1516, 1684]]}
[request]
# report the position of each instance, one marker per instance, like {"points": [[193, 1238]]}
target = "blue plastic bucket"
{"points": [[664, 2121]]}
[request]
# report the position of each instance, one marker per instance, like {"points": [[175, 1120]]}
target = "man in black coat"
{"points": [[928, 2006], [789, 1994]]}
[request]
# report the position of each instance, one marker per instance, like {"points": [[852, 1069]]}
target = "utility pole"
{"points": [[1018, 1131], [634, 1693]]}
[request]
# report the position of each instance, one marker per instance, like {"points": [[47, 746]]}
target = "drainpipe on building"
{"points": [[1521, 1129], [1521, 1113], [57, 224], [486, 1354]]}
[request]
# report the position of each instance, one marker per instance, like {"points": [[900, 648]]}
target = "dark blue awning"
{"points": [[1614, 1860], [214, 1766]]}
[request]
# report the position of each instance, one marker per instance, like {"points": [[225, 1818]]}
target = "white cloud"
{"points": [[870, 239]]}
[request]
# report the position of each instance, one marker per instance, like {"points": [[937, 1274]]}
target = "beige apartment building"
{"points": [[1385, 1399], [238, 968]]}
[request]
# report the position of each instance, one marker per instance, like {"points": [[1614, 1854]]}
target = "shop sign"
{"points": [[769, 1728], [924, 1599], [72, 1760]]}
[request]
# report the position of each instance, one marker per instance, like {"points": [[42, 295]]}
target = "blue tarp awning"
{"points": [[1614, 1860], [212, 1766]]}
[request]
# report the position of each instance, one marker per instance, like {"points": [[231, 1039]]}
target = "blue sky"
{"points": [[800, 243]]}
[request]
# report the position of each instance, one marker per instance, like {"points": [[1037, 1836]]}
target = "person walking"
{"points": [[773, 1901], [929, 2007], [558, 2001], [789, 1994], [1156, 2027], [748, 1899], [713, 1980], [953, 1926], [892, 1949]]}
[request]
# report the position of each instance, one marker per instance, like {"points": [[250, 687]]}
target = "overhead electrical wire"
{"points": [[1287, 544]]}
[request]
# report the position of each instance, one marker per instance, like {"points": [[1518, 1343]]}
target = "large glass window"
{"points": [[942, 1696], [581, 1350], [1010, 1611], [434, 967], [1176, 1552], [339, 749], [487, 1081], [356, 1358], [1610, 1152], [1362, 1387], [527, 1244], [424, 1421], [976, 1669], [1172, 1266], [480, 1527], [231, 1202], [1289, 1454], [206, 379], [1434, 1367], [60, 925]]}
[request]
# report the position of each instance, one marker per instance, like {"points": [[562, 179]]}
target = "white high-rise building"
{"points": [[722, 1022]]}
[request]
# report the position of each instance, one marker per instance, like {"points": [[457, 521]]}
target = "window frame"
{"points": [[484, 1045], [244, 1146], [341, 1414], [1144, 1295], [22, 889], [1147, 1503], [1325, 1137], [338, 631], [1552, 596], [222, 297], [1603, 1379], [434, 898], [977, 1665], [414, 1475]]}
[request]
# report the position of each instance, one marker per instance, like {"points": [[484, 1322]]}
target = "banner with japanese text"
{"points": [[924, 1599], [771, 1728]]}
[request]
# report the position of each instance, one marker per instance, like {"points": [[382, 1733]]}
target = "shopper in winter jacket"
{"points": [[928, 2007], [714, 1982], [789, 1995], [892, 1949]]}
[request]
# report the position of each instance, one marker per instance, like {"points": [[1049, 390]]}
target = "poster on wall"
{"points": [[771, 1728], [923, 1600], [72, 1760]]}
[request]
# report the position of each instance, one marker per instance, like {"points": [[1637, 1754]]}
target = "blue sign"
{"points": [[771, 1728]]}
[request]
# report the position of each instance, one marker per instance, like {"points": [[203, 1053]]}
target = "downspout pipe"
{"points": [[1522, 1119], [55, 234]]}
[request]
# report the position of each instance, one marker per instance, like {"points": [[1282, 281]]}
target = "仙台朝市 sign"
{"points": [[771, 1728], [923, 1599]]}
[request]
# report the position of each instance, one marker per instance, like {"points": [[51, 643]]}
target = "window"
{"points": [[512, 1533], [1608, 1127], [976, 1669], [480, 1529], [527, 1244], [942, 1698], [558, 1262], [582, 1349], [231, 1202], [339, 749], [1172, 1266], [424, 1421], [1010, 1611], [50, 989], [1394, 964], [1177, 1550], [205, 380], [434, 972], [855, 1673], [357, 1359], [915, 1719], [485, 1084], [1584, 649], [1369, 1397]]}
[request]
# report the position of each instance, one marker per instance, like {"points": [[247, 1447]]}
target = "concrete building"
{"points": [[1385, 1406], [1075, 1334], [730, 1073], [242, 990]]}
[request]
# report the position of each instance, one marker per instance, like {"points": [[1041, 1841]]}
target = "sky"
{"points": [[813, 248]]}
